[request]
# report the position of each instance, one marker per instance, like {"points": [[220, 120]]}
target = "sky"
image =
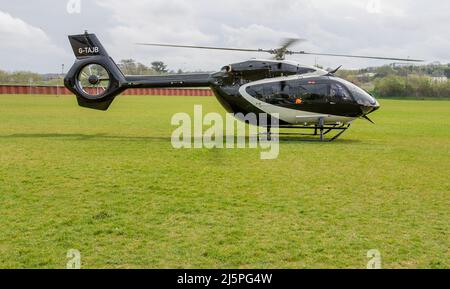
{"points": [[33, 34]]}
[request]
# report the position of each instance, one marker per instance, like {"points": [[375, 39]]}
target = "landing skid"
{"points": [[319, 130]]}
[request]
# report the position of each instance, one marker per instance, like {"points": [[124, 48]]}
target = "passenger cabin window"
{"points": [[310, 92]]}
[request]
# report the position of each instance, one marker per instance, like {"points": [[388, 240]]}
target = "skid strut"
{"points": [[321, 125], [321, 130]]}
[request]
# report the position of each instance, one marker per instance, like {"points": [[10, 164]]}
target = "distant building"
{"points": [[402, 64], [367, 74], [438, 79], [50, 76]]}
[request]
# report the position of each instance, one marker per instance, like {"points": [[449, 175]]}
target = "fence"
{"points": [[59, 90]]}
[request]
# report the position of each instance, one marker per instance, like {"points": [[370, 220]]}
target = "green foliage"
{"points": [[159, 67], [131, 67], [411, 86], [402, 81], [447, 72], [385, 71], [20, 77], [111, 186], [391, 86]]}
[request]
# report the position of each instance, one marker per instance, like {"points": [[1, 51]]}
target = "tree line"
{"points": [[19, 77], [397, 81], [403, 81], [128, 67], [414, 86]]}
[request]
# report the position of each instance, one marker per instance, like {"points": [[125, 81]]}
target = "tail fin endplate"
{"points": [[89, 51]]}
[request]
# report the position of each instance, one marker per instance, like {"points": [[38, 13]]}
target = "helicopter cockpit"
{"points": [[314, 92], [361, 96]]}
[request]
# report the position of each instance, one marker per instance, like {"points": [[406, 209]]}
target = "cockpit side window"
{"points": [[291, 92], [308, 91]]}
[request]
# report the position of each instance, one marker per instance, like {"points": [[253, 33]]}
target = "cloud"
{"points": [[21, 43], [16, 33], [377, 27], [399, 28], [195, 22], [253, 35]]}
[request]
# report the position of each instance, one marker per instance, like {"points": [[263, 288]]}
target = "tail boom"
{"points": [[96, 80], [181, 80]]}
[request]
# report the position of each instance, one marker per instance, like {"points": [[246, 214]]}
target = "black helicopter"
{"points": [[302, 96]]}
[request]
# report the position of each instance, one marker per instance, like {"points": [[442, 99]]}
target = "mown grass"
{"points": [[110, 185]]}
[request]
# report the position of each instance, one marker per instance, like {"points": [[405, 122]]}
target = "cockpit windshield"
{"points": [[338, 91], [361, 96]]}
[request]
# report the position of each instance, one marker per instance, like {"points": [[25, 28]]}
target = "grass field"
{"points": [[110, 185]]}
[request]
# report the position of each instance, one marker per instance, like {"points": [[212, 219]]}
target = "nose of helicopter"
{"points": [[369, 108], [366, 102]]}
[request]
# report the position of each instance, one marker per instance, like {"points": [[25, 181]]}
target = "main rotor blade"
{"points": [[204, 47], [289, 42], [355, 56]]}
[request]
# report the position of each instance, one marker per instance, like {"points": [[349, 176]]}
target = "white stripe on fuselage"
{"points": [[289, 115]]}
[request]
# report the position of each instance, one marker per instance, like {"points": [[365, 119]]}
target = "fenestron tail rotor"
{"points": [[282, 51], [94, 80]]}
